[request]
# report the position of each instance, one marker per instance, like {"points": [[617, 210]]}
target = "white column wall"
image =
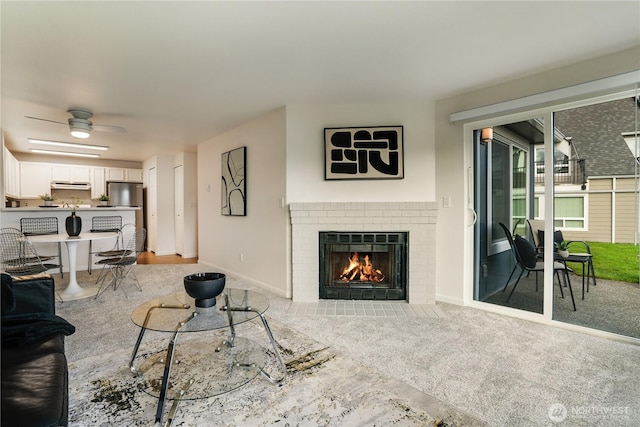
{"points": [[253, 247]]}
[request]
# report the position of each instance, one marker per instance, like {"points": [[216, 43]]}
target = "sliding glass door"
{"points": [[597, 206], [568, 175]]}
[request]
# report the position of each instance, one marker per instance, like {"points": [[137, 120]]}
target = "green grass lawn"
{"points": [[613, 261]]}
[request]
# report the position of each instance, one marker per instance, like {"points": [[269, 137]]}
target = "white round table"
{"points": [[73, 290]]}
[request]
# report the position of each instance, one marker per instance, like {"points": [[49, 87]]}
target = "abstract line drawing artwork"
{"points": [[364, 153], [234, 200]]}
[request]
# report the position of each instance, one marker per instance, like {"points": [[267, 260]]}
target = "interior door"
{"points": [[152, 213], [178, 180]]}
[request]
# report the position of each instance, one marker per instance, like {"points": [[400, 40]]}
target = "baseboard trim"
{"points": [[449, 300], [263, 285]]}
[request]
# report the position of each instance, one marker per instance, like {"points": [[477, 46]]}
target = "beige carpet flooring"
{"points": [[499, 370]]}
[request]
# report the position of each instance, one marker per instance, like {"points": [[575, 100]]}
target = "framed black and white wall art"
{"points": [[234, 195], [364, 153]]}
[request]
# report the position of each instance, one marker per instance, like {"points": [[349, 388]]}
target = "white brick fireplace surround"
{"points": [[416, 218]]}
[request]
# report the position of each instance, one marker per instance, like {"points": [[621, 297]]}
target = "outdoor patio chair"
{"points": [[536, 228], [526, 259], [39, 227]]}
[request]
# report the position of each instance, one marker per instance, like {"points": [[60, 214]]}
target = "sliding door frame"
{"points": [[546, 113]]}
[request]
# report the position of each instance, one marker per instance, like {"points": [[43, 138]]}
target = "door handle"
{"points": [[475, 217]]}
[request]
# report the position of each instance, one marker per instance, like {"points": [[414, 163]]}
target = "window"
{"points": [[519, 190], [570, 211], [561, 164], [500, 188]]}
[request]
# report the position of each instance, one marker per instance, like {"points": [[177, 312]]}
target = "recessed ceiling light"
{"points": [[68, 144], [62, 153]]}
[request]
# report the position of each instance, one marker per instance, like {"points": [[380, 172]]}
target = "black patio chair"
{"points": [[526, 258], [536, 229]]}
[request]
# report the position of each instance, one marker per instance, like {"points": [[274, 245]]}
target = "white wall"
{"points": [[451, 171], [305, 152], [260, 236]]}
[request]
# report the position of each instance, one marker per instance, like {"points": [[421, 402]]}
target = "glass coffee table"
{"points": [[198, 369]]}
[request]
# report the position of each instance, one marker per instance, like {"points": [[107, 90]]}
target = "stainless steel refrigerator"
{"points": [[127, 194]]}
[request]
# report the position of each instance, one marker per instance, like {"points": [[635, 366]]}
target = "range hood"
{"points": [[67, 185]]}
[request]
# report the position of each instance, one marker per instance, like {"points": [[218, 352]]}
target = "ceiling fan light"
{"points": [[80, 133], [80, 128]]}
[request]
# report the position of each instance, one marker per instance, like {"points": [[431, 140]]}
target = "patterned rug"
{"points": [[321, 388]]}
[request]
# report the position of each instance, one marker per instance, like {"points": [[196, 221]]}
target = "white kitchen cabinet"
{"points": [[11, 175], [114, 174], [35, 179], [98, 186], [123, 174], [70, 173], [133, 175]]}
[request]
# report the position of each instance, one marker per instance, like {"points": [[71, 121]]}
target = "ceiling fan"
{"points": [[80, 125]]}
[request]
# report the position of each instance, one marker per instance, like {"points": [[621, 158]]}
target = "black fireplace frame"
{"points": [[396, 242]]}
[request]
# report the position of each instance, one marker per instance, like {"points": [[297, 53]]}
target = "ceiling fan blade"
{"points": [[107, 128], [46, 120]]}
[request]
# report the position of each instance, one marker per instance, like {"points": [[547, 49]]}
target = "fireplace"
{"points": [[363, 265], [416, 219]]}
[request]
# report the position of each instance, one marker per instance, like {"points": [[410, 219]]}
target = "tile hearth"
{"points": [[365, 309]]}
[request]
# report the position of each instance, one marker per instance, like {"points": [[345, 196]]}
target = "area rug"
{"points": [[322, 388]]}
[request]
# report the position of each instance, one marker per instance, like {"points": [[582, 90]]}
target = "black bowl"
{"points": [[204, 287]]}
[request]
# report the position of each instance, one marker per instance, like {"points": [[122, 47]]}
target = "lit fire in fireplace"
{"points": [[362, 270]]}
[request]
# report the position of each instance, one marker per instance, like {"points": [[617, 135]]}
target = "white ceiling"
{"points": [[175, 74]]}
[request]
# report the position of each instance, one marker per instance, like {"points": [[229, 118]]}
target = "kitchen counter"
{"points": [[61, 209]]}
